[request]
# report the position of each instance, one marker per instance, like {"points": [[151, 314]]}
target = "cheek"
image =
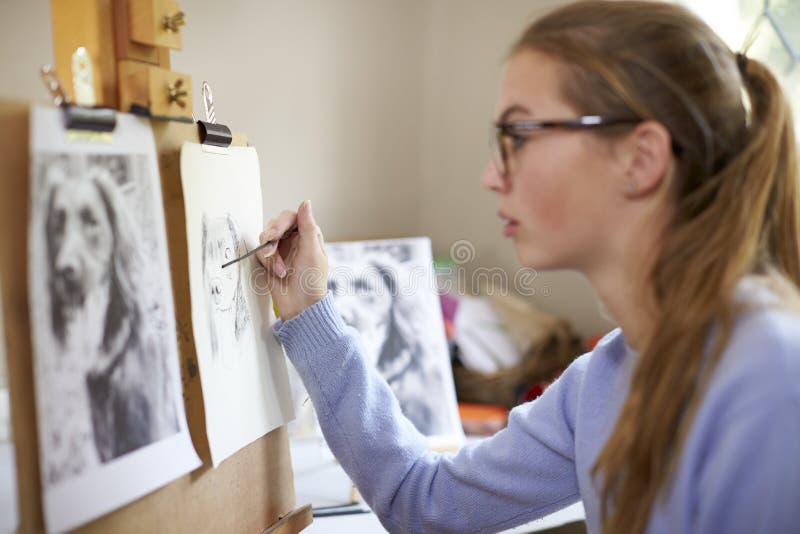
{"points": [[562, 185], [100, 242], [542, 201]]}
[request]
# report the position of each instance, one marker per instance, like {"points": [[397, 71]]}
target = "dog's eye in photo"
{"points": [[88, 218], [57, 220]]}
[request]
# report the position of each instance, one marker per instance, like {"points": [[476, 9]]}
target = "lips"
{"points": [[511, 225]]}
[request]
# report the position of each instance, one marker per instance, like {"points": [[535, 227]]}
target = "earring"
{"points": [[631, 187]]}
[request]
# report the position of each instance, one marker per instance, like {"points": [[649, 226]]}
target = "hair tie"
{"points": [[741, 62]]}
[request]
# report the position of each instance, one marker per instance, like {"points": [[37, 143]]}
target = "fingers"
{"points": [[279, 257], [269, 256], [278, 266], [271, 259], [267, 251], [279, 225], [305, 220], [307, 227]]}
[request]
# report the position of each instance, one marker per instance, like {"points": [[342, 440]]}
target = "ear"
{"points": [[648, 151]]}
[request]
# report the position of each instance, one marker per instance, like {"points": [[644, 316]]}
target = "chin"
{"points": [[534, 258]]}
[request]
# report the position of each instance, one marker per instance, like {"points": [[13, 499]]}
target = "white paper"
{"points": [[242, 365], [8, 481], [386, 290], [110, 412]]}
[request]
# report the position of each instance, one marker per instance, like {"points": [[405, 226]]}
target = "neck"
{"points": [[629, 298], [623, 283]]}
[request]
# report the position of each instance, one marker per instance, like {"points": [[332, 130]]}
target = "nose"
{"points": [[67, 272], [67, 261], [491, 179]]}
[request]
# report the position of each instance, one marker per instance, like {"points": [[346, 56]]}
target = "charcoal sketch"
{"points": [[228, 314], [241, 365], [384, 290], [109, 407], [107, 385]]}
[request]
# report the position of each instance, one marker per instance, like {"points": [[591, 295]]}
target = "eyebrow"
{"points": [[516, 108]]}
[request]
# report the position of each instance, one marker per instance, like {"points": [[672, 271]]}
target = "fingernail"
{"points": [[280, 270]]}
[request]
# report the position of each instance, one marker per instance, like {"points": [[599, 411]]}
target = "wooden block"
{"points": [[87, 23], [163, 58], [126, 48], [147, 22], [148, 86]]}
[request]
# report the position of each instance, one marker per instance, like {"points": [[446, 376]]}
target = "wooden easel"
{"points": [[253, 491]]}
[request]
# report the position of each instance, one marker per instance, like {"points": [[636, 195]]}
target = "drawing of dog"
{"points": [[228, 313], [96, 312]]}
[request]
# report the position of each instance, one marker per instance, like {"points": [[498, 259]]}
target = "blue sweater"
{"points": [[739, 470]]}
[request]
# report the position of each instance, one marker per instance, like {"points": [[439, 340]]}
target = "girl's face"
{"points": [[557, 199]]}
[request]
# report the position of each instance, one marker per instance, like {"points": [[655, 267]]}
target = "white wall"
{"points": [[329, 93], [25, 45], [376, 110]]}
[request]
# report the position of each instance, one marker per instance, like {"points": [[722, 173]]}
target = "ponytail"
{"points": [[772, 154]]}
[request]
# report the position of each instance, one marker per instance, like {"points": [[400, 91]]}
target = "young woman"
{"points": [[635, 147]]}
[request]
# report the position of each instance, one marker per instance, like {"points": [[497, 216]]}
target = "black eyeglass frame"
{"points": [[502, 130]]}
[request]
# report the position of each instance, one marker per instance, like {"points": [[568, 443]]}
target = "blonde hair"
{"points": [[736, 210]]}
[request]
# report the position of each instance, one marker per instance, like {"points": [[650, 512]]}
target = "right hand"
{"points": [[297, 268]]}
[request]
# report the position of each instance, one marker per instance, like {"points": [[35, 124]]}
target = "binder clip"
{"points": [[77, 117], [212, 133]]}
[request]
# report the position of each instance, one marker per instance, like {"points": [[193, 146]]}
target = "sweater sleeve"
{"points": [[523, 472]]}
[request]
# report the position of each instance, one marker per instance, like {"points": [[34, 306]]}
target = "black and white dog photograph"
{"points": [[110, 411], [385, 290], [103, 374]]}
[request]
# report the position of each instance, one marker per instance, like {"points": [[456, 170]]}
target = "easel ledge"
{"points": [[253, 491]]}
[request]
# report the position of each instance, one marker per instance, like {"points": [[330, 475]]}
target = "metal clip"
{"points": [[78, 119], [208, 104], [211, 133], [177, 93], [173, 23], [53, 85]]}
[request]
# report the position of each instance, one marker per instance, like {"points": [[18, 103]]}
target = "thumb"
{"points": [[311, 236], [306, 225]]}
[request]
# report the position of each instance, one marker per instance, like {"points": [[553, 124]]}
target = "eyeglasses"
{"points": [[506, 138]]}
